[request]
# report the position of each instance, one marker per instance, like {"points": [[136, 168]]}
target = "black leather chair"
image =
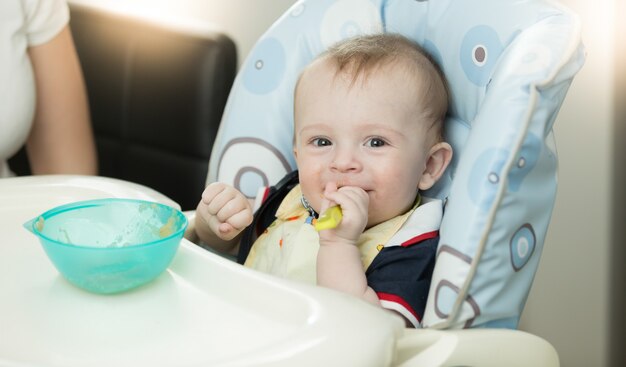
{"points": [[156, 96]]}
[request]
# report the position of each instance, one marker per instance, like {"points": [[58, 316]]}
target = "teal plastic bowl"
{"points": [[110, 245]]}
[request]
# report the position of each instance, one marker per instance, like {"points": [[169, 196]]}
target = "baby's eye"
{"points": [[321, 142], [376, 142]]}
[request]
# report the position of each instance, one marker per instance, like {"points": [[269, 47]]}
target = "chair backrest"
{"points": [[509, 64], [156, 96]]}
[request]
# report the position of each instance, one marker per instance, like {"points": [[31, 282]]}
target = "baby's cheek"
{"points": [[313, 196], [394, 198]]}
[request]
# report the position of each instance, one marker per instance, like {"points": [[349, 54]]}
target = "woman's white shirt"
{"points": [[23, 23]]}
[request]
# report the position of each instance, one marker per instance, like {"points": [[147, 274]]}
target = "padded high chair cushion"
{"points": [[509, 64]]}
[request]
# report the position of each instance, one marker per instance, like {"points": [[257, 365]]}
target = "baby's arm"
{"points": [[339, 263], [222, 214]]}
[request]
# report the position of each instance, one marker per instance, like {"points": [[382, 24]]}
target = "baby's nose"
{"points": [[346, 160]]}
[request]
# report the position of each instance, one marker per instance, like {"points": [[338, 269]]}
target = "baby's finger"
{"points": [[211, 191], [230, 208], [352, 200], [356, 194], [240, 220], [227, 232], [329, 189], [225, 228], [214, 223], [341, 197], [220, 202], [325, 204]]}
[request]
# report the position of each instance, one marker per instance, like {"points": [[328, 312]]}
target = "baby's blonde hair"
{"points": [[363, 55]]}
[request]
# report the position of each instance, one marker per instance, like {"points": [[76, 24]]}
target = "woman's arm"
{"points": [[61, 139]]}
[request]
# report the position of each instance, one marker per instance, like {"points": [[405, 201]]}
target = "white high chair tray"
{"points": [[204, 310]]}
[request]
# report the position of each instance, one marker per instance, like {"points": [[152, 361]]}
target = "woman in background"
{"points": [[43, 101]]}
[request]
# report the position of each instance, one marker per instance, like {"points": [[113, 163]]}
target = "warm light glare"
{"points": [[173, 14]]}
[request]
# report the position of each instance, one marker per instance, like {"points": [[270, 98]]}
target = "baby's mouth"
{"points": [[343, 184]]}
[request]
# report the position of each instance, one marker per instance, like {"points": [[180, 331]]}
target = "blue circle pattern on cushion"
{"points": [[508, 63], [263, 75], [480, 50], [522, 246]]}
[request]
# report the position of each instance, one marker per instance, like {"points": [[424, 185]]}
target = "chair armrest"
{"points": [[474, 347]]}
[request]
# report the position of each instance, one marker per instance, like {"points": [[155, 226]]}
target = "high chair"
{"points": [[509, 64]]}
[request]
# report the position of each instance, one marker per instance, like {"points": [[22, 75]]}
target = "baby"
{"points": [[368, 118]]}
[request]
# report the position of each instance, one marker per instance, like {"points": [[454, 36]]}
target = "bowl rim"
{"points": [[31, 225]]}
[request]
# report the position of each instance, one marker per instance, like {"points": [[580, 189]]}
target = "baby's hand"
{"points": [[354, 203], [225, 210]]}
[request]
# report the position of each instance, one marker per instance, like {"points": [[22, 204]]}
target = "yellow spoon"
{"points": [[330, 219]]}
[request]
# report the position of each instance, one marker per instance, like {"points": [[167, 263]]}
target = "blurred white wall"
{"points": [[570, 302], [618, 253]]}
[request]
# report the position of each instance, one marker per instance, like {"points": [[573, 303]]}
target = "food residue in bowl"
{"points": [[168, 228], [39, 224]]}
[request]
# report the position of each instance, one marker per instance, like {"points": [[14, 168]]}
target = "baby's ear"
{"points": [[439, 157]]}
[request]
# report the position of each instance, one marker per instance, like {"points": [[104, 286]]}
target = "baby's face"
{"points": [[366, 135]]}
